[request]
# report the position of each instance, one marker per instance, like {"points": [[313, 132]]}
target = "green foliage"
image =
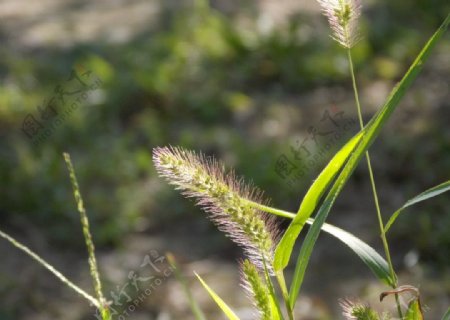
{"points": [[358, 311], [258, 290], [222, 305], [367, 254], [99, 302], [310, 201], [87, 237], [353, 151], [446, 315], [191, 68], [414, 311], [430, 193], [364, 313], [201, 69], [50, 268], [192, 302], [370, 131]]}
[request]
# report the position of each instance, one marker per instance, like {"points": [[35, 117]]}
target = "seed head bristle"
{"points": [[256, 289], [357, 311], [223, 196], [343, 17]]}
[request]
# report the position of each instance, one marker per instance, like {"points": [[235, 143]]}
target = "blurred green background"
{"points": [[240, 80]]}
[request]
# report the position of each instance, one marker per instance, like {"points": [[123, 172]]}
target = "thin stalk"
{"points": [[88, 239], [372, 182], [272, 290], [192, 303], [285, 293], [279, 275], [50, 268], [291, 215], [275, 211]]}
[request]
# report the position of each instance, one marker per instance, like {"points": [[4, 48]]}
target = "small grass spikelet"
{"points": [[343, 17], [256, 289], [357, 311], [223, 196]]}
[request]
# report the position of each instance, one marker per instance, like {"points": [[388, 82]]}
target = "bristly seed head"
{"points": [[224, 197], [343, 18], [257, 289], [357, 311]]}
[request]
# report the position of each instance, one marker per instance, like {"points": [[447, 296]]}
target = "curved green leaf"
{"points": [[222, 305], [371, 131], [368, 255], [414, 311], [446, 315], [310, 201], [50, 268], [195, 308], [430, 193]]}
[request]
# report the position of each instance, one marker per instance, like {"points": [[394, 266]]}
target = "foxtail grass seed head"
{"points": [[223, 196], [357, 311], [343, 17], [257, 289]]}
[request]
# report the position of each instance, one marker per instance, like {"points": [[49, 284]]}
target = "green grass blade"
{"points": [[50, 268], [275, 307], [446, 315], [368, 255], [414, 312], [274, 303], [371, 131], [192, 303], [430, 193], [310, 202], [222, 305]]}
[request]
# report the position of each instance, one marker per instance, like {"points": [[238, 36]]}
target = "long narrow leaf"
{"points": [[275, 307], [446, 315], [310, 202], [371, 131], [368, 255], [430, 193], [222, 305], [414, 311], [192, 302], [50, 268], [274, 303]]}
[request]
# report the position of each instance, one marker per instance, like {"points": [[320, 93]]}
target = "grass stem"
{"points": [[182, 281], [372, 180], [284, 291], [88, 239], [275, 211], [50, 268]]}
